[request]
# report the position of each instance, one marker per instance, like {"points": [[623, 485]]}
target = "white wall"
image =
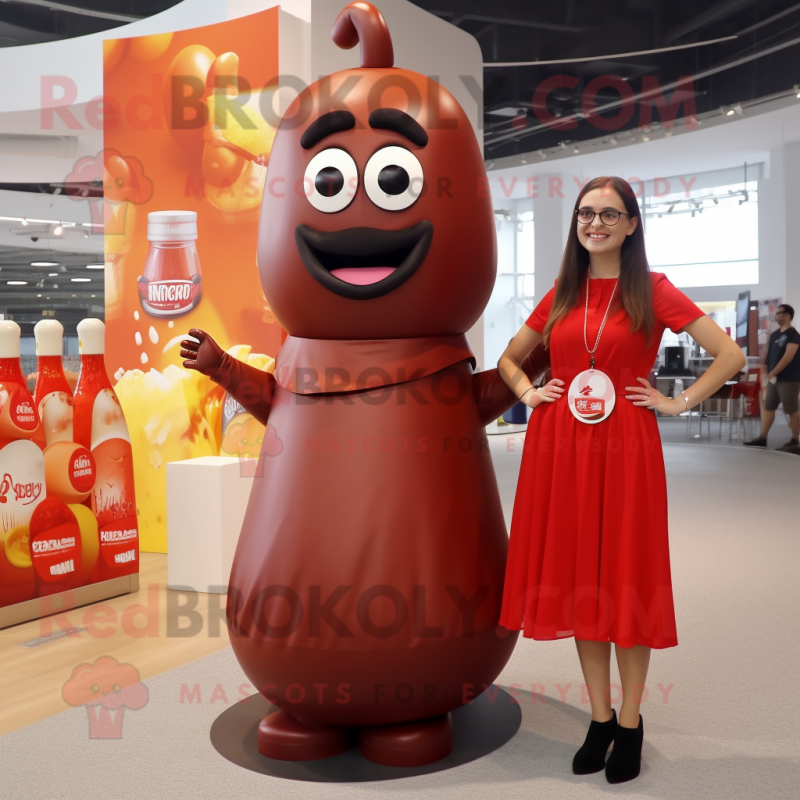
{"points": [[771, 139]]}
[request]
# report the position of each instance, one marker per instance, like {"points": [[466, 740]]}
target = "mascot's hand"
{"points": [[204, 355]]}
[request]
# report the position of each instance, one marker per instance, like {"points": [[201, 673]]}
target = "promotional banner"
{"points": [[189, 124]]}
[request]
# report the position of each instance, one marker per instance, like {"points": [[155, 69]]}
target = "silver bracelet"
{"points": [[525, 392], [685, 400]]}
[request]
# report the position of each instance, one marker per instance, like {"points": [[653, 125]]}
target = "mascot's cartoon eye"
{"points": [[94, 689], [331, 179], [393, 178]]}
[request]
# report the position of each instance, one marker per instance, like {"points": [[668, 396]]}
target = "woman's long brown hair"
{"points": [[634, 291]]}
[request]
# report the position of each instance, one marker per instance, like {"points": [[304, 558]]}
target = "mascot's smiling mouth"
{"points": [[362, 263]]}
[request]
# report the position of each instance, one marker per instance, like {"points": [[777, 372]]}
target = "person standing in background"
{"points": [[783, 365]]}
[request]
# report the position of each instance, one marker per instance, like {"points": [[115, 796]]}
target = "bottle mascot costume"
{"points": [[366, 586]]}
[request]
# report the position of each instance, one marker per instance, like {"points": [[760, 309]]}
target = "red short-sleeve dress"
{"points": [[589, 551]]}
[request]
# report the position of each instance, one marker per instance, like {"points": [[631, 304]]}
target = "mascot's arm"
{"points": [[493, 397], [249, 386]]}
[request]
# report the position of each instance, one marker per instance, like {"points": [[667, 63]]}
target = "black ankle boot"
{"points": [[625, 760], [592, 755]]}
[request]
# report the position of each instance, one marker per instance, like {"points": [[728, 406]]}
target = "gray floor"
{"points": [[720, 719]]}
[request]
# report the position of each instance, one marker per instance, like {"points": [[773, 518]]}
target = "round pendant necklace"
{"points": [[591, 395]]}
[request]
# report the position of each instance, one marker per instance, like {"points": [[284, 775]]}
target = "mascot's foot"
{"points": [[409, 745], [282, 736]]}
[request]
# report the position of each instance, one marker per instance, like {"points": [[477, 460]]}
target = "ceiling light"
{"points": [[738, 109], [74, 295], [92, 295], [44, 263], [576, 150], [85, 235], [667, 133], [728, 113], [52, 274], [38, 295], [17, 283], [25, 221], [80, 280], [58, 230], [95, 266], [645, 138], [523, 160]]}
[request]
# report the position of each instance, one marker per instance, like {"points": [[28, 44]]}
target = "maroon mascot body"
{"points": [[366, 586]]}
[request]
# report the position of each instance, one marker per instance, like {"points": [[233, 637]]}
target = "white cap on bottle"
{"points": [[9, 339], [91, 337], [48, 333], [171, 226]]}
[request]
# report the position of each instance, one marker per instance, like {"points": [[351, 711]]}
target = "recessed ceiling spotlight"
{"points": [[92, 295], [25, 221], [44, 263], [523, 160], [38, 295], [85, 235], [645, 138], [58, 230], [80, 280], [576, 150], [727, 112], [17, 283]]}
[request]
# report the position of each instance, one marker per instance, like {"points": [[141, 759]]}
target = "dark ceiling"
{"points": [[743, 67], [760, 57]]}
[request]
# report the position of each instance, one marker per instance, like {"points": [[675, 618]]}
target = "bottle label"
{"points": [[169, 297], [20, 408], [56, 552], [82, 470], [119, 545], [22, 484]]}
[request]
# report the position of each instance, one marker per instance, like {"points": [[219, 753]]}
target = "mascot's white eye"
{"points": [[331, 180], [393, 178]]}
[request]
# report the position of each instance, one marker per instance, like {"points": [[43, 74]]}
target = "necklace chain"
{"points": [[602, 324]]}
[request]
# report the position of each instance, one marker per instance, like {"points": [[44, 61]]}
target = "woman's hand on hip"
{"points": [[646, 396], [548, 393]]}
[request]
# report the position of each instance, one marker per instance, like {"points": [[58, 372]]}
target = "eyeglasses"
{"points": [[608, 216]]}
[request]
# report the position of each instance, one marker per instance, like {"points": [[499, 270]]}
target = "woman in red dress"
{"points": [[589, 552]]}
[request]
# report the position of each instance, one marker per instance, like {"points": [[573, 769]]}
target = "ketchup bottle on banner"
{"points": [[22, 483], [52, 395], [100, 427], [172, 282]]}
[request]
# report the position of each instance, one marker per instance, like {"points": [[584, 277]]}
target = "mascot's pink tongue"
{"points": [[361, 276]]}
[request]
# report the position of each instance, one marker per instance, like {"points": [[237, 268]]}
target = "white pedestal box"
{"points": [[206, 501]]}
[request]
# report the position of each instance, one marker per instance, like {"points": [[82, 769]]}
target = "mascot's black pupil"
{"points": [[393, 179], [329, 181]]}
